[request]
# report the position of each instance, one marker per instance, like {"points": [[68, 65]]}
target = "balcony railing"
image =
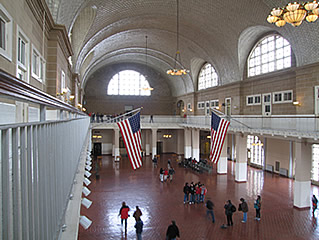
{"points": [[39, 161]]}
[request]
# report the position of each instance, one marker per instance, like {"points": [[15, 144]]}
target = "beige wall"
{"points": [[277, 150]]}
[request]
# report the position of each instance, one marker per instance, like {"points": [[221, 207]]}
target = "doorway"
{"points": [[266, 104], [97, 149], [228, 106], [159, 148]]}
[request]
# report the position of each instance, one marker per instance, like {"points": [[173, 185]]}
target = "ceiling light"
{"points": [[294, 14], [177, 71]]}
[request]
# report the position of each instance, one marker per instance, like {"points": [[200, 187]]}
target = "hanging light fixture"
{"points": [[146, 88], [176, 71], [294, 13]]}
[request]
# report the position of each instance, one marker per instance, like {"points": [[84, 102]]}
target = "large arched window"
{"points": [[270, 54], [129, 82], [207, 77]]}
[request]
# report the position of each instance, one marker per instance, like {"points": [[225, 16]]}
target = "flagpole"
{"points": [[223, 115], [135, 110]]}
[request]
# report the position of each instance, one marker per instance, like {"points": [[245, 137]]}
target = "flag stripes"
{"points": [[218, 132], [131, 133]]}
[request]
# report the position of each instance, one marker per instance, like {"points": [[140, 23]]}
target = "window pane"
{"points": [[207, 77], [2, 34], [129, 82], [271, 54]]}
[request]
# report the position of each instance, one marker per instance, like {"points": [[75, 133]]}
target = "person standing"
{"points": [[257, 206], [151, 119], [171, 172], [192, 193], [210, 208], [203, 193], [186, 192], [314, 204], [244, 208], [229, 210], [162, 174], [139, 228], [137, 214], [172, 231], [124, 214]]}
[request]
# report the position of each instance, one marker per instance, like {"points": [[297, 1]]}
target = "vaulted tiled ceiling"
{"points": [[219, 32]]}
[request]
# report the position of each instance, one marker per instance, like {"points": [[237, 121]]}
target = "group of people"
{"points": [[230, 209], [124, 210], [194, 193], [166, 173], [171, 233]]}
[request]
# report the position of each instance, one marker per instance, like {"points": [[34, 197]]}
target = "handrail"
{"points": [[14, 88]]}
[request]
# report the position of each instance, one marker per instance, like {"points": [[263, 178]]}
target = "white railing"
{"points": [[39, 160], [38, 164], [162, 119], [302, 123]]}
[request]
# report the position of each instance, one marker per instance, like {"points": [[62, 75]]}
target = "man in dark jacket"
{"points": [[210, 206], [244, 208], [229, 210], [186, 192], [172, 231], [139, 229]]}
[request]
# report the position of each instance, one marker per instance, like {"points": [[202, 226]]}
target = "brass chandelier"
{"points": [[177, 71], [294, 13]]}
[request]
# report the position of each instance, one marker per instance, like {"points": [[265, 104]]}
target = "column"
{"points": [[116, 143], [147, 142], [241, 158], [154, 141], [195, 143], [222, 162], [180, 142], [302, 183], [187, 143]]}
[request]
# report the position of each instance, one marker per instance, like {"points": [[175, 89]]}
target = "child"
{"points": [[165, 175]]}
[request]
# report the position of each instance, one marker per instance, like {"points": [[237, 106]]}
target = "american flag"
{"points": [[219, 128], [131, 133]]}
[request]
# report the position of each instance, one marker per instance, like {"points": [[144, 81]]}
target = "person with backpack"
{"points": [[210, 208], [314, 204], [229, 210], [243, 206]]}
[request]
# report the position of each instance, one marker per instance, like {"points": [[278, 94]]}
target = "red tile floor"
{"points": [[162, 202]]}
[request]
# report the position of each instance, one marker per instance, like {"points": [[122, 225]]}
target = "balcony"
{"points": [[300, 126]]}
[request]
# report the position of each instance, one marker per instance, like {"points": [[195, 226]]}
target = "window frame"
{"points": [[214, 103], [203, 81], [282, 94], [253, 98], [23, 67], [118, 81], [262, 56], [8, 35], [199, 105], [40, 65]]}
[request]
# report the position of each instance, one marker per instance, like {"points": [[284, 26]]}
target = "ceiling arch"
{"points": [[117, 33]]}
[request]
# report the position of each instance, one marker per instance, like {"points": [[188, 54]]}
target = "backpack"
{"points": [[233, 208]]}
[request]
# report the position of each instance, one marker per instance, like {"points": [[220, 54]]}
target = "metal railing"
{"points": [[38, 164]]}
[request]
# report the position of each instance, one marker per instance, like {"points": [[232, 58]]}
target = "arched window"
{"points": [[270, 54], [207, 77], [129, 82]]}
